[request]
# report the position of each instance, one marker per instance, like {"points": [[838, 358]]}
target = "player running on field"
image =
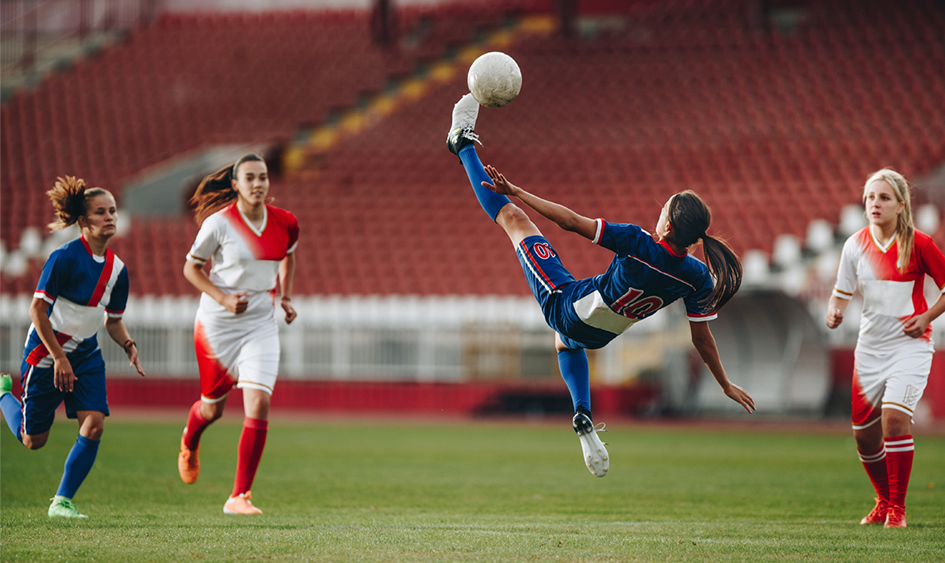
{"points": [[82, 282], [252, 246], [889, 260], [645, 275]]}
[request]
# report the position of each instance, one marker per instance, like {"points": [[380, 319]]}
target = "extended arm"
{"points": [[234, 302], [557, 213], [286, 275], [704, 342], [119, 332]]}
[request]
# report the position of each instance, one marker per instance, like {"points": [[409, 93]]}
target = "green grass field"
{"points": [[464, 491]]}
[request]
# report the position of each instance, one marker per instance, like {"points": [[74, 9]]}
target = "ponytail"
{"points": [[214, 193], [725, 267], [690, 217], [216, 190], [69, 198]]}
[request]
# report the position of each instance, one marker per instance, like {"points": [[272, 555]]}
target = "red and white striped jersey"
{"points": [[890, 297]]}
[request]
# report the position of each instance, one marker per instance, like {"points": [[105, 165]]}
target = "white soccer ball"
{"points": [[494, 79]]}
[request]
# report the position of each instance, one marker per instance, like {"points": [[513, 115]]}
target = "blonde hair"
{"points": [[70, 199], [905, 225]]}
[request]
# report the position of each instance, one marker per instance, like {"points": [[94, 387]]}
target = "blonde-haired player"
{"points": [[252, 246], [889, 260]]}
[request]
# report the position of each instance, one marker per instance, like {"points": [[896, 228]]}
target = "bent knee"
{"points": [[516, 223], [34, 442]]}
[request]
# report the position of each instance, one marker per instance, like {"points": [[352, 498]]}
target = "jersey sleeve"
{"points": [[696, 308], [51, 278], [620, 238], [846, 273], [119, 299], [930, 259], [206, 243]]}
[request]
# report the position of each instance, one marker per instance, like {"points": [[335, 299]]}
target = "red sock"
{"points": [[252, 442], [899, 453], [196, 424], [875, 465]]}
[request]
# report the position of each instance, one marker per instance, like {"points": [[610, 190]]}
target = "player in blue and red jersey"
{"points": [[81, 283], [644, 276]]}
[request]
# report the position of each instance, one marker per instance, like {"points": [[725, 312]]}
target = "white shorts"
{"points": [[239, 351], [890, 381]]}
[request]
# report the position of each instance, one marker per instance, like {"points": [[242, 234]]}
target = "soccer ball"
{"points": [[494, 79]]}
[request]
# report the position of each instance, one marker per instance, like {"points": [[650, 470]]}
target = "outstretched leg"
{"points": [[11, 406], [461, 142]]}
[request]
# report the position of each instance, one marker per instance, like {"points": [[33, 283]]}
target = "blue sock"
{"points": [[575, 371], [78, 465], [490, 201], [13, 413]]}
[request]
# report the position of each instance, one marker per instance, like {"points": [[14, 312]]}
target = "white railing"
{"points": [[378, 338]]}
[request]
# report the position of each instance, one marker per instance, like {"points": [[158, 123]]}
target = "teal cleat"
{"points": [[62, 507], [6, 384]]}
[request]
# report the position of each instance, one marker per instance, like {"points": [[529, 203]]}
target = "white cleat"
{"points": [[465, 113], [595, 453]]}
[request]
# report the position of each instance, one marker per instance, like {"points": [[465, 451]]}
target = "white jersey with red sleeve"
{"points": [[244, 258], [890, 297]]}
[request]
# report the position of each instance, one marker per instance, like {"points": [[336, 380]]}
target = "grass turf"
{"points": [[462, 491]]}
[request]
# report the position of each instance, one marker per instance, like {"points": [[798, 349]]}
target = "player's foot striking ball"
{"points": [[647, 273]]}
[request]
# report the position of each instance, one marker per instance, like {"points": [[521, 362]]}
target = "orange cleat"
{"points": [[241, 504], [188, 465], [896, 517], [878, 514]]}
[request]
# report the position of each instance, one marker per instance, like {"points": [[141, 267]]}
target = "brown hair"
{"points": [[70, 199], [690, 217], [216, 190], [905, 225]]}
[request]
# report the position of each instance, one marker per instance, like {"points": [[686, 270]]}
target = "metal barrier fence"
{"points": [[377, 338]]}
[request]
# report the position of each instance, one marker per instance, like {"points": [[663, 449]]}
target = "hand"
{"points": [[236, 303], [502, 186], [132, 351], [834, 317], [63, 377], [290, 313], [915, 327], [740, 396]]}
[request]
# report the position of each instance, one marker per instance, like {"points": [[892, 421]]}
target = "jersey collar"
{"points": [[258, 232], [88, 249], [672, 252]]}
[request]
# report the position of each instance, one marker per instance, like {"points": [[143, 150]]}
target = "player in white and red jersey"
{"points": [[82, 283], [251, 246], [888, 261], [644, 276]]}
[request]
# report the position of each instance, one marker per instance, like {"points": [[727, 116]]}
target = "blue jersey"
{"points": [[644, 276], [81, 288]]}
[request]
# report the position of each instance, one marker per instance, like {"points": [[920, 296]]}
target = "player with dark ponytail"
{"points": [[644, 276], [82, 282]]}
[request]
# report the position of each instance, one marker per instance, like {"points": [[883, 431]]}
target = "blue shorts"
{"points": [[41, 398], [556, 291]]}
